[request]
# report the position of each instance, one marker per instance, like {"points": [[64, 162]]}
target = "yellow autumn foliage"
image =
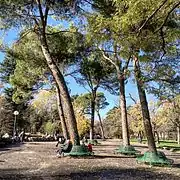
{"points": [[135, 118], [83, 124]]}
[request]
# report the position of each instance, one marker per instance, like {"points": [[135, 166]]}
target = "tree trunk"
{"points": [[92, 119], [140, 136], [160, 135], [178, 135], [117, 62], [144, 107], [62, 114], [164, 135], [156, 136], [93, 104], [64, 92], [101, 125], [125, 131]]}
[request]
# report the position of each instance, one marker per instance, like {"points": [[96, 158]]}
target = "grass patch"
{"points": [[144, 141], [170, 144]]}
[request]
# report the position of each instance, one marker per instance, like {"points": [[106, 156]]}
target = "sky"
{"points": [[11, 36], [112, 99]]}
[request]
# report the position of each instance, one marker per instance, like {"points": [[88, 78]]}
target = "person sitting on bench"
{"points": [[65, 148]]}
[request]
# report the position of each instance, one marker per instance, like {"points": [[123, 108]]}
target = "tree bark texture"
{"points": [[101, 125], [62, 114], [156, 136], [144, 107], [178, 135], [92, 117], [64, 92], [125, 131], [41, 25]]}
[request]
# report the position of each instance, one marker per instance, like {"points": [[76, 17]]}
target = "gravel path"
{"points": [[38, 161]]}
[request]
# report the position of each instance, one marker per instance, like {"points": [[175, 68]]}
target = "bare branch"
{"points": [[130, 96], [71, 73], [76, 79], [86, 89]]}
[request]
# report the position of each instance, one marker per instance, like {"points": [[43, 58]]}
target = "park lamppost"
{"points": [[14, 129]]}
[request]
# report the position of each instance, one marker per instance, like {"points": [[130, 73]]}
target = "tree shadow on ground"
{"points": [[140, 146], [119, 144], [113, 156], [11, 147], [126, 174], [174, 156], [96, 174], [120, 156], [176, 166], [111, 151], [106, 145]]}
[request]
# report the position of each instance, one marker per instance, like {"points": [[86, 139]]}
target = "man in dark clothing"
{"points": [[61, 140], [66, 147]]}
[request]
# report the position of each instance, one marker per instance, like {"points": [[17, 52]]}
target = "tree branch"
{"points": [[130, 96], [163, 43], [170, 80], [100, 50], [107, 58], [165, 20], [41, 15], [71, 73], [151, 16], [89, 81], [61, 32], [127, 63], [23, 35], [46, 13]]}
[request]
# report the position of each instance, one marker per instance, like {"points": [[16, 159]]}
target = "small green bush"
{"points": [[49, 127]]}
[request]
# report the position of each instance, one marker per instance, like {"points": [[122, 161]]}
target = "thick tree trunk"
{"points": [[101, 125], [125, 131], [178, 135], [62, 114], [64, 92], [144, 107]]}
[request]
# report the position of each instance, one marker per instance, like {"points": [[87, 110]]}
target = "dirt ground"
{"points": [[38, 161]]}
